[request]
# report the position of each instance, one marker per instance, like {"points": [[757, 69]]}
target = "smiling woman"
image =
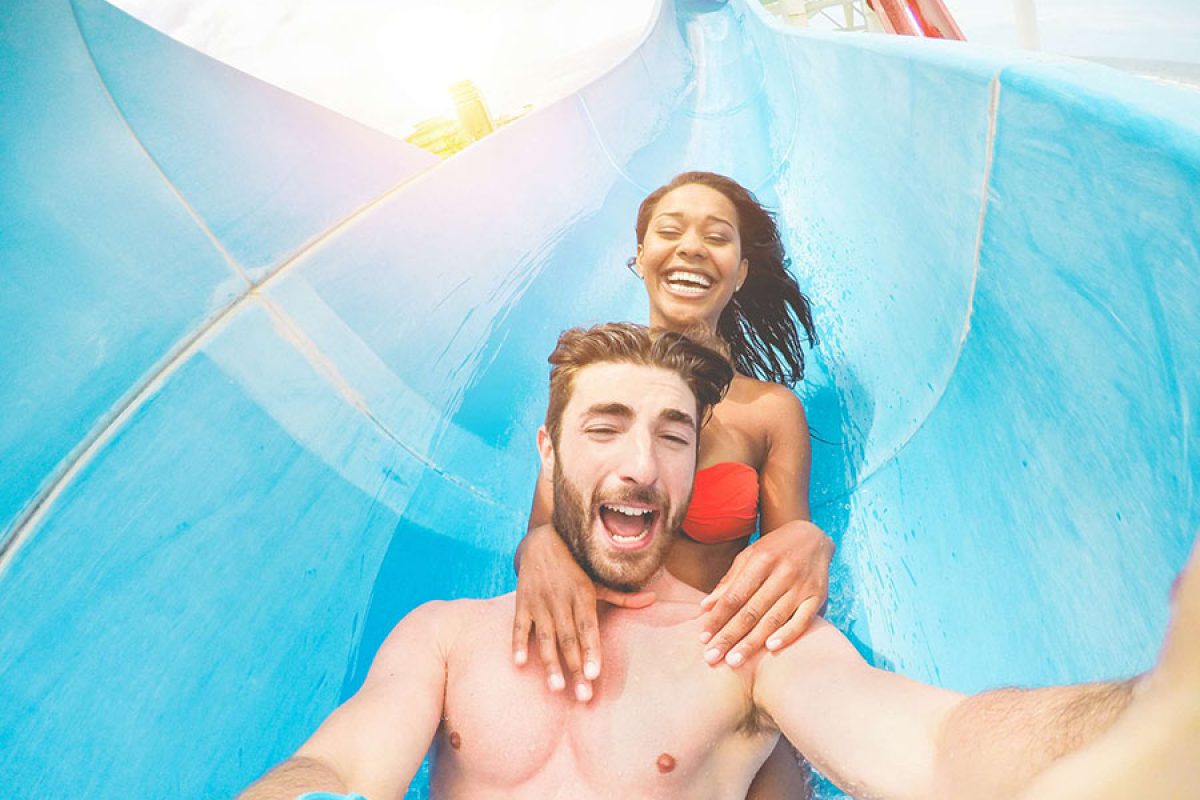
{"points": [[690, 258], [713, 265], [220, 493]]}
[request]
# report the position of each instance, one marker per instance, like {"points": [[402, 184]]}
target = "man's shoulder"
{"points": [[439, 623], [822, 646], [460, 610]]}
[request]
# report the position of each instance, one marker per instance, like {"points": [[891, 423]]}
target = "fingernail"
{"points": [[591, 670], [704, 637], [583, 692], [734, 659], [557, 684], [773, 643], [712, 655], [520, 656]]}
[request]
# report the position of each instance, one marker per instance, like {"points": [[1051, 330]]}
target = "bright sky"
{"points": [[388, 62]]}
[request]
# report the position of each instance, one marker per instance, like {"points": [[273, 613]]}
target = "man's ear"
{"points": [[546, 451]]}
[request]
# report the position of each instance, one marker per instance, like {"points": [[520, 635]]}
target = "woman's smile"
{"points": [[691, 257]]}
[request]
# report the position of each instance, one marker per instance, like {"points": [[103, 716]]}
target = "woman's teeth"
{"points": [[689, 282]]}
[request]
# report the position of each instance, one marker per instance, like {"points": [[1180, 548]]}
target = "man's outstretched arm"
{"points": [[1151, 750], [375, 742], [995, 743], [879, 734]]}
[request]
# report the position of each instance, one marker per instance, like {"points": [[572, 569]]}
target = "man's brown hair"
{"points": [[705, 370]]}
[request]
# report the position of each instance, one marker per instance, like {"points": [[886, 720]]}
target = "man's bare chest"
{"points": [[659, 716]]}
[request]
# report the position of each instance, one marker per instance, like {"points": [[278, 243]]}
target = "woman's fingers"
{"points": [[730, 611], [522, 627], [569, 650], [775, 618], [547, 645], [588, 632], [712, 597], [762, 608], [794, 627], [556, 604]]}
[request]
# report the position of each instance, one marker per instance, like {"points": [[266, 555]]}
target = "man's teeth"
{"points": [[628, 510], [645, 515]]}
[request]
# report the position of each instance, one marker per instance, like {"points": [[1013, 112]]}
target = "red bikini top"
{"points": [[724, 503]]}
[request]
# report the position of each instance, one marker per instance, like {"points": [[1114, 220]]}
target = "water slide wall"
{"points": [[271, 378]]}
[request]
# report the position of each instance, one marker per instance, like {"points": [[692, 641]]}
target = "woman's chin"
{"points": [[680, 317]]}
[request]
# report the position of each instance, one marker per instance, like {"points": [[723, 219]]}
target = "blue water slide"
{"points": [[271, 378]]}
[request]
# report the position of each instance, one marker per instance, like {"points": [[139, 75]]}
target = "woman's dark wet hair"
{"points": [[763, 322]]}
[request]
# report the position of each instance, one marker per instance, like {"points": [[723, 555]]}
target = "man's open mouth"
{"points": [[629, 525]]}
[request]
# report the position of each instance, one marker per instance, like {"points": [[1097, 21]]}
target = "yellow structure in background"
{"points": [[472, 111], [444, 137], [440, 136]]}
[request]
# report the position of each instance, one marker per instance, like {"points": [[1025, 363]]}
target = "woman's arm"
{"points": [[556, 603], [778, 584]]}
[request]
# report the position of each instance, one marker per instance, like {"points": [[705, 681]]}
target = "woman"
{"points": [[709, 256]]}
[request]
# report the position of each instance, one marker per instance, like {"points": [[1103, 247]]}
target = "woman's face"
{"points": [[691, 257]]}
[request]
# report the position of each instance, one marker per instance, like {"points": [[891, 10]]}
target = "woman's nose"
{"points": [[690, 244]]}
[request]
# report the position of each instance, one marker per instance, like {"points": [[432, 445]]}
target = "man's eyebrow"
{"points": [[609, 410], [675, 415]]}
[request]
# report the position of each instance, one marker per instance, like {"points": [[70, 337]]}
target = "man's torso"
{"points": [[662, 723]]}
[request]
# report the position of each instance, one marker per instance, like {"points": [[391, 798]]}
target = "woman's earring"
{"points": [[631, 265]]}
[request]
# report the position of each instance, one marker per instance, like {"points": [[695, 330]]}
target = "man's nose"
{"points": [[640, 463]]}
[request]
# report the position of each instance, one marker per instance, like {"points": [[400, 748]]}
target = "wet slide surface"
{"points": [[272, 378]]}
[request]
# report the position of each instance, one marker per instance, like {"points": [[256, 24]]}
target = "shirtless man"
{"points": [[620, 440]]}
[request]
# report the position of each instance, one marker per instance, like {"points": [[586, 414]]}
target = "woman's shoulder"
{"points": [[764, 395]]}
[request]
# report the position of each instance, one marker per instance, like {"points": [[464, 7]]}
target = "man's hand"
{"points": [[1152, 750], [770, 594], [556, 602]]}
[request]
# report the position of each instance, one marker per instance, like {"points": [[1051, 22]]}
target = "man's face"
{"points": [[623, 469]]}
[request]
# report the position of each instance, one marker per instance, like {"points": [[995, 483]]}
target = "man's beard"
{"points": [[624, 571]]}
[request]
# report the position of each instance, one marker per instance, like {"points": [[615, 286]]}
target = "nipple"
{"points": [[665, 763], [455, 739]]}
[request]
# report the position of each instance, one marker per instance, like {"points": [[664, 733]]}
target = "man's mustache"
{"points": [[644, 495]]}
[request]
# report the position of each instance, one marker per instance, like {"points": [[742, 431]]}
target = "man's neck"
{"points": [[669, 589]]}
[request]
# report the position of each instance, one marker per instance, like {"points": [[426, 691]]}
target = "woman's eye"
{"points": [[668, 232]]}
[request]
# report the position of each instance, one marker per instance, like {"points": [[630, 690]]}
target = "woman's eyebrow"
{"points": [[678, 215]]}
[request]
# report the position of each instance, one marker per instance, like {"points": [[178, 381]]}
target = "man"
{"points": [[620, 439]]}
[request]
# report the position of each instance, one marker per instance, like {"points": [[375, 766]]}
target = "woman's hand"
{"points": [[770, 594], [556, 602]]}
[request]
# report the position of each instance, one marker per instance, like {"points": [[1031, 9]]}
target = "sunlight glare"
{"points": [[423, 51]]}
